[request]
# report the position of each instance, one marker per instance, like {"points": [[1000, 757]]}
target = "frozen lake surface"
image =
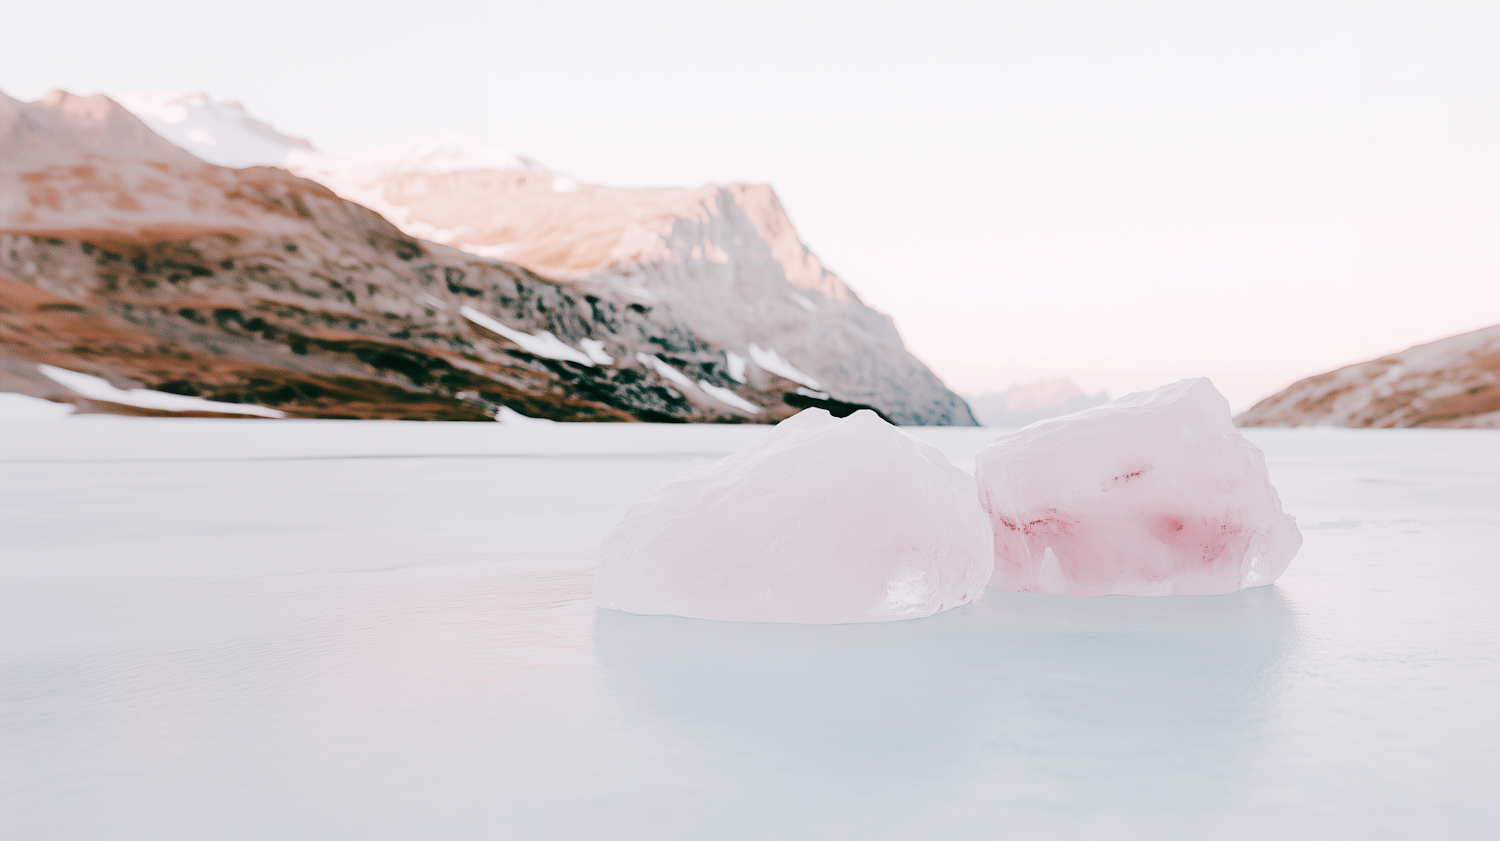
{"points": [[324, 629]]}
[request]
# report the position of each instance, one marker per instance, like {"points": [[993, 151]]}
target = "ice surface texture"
{"points": [[1153, 494], [821, 521]]}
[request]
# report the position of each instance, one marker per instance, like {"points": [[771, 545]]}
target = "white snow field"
{"points": [[250, 629]]}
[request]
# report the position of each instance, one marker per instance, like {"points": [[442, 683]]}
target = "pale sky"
{"points": [[1122, 193]]}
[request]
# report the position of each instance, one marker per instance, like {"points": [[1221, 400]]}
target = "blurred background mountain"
{"points": [[1024, 404]]}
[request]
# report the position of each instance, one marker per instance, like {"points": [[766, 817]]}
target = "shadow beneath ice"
{"points": [[1047, 685]]}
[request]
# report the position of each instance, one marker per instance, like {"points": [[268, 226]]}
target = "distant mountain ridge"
{"points": [[1453, 382], [1022, 405], [220, 132], [124, 258], [723, 262]]}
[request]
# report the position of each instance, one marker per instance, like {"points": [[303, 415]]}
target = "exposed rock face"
{"points": [[1453, 382], [125, 257], [723, 263]]}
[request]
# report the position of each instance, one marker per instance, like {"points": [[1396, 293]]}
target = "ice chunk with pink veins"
{"points": [[821, 521], [1154, 494]]}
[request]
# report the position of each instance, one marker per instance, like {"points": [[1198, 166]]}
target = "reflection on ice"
{"points": [[1048, 685]]}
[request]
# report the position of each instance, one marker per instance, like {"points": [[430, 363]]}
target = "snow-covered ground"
{"points": [[322, 629]]}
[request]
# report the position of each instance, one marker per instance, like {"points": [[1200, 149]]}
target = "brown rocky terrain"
{"points": [[724, 260], [124, 257], [721, 261], [1453, 382]]}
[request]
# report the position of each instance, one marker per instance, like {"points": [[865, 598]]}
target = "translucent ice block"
{"points": [[1153, 494], [821, 521]]}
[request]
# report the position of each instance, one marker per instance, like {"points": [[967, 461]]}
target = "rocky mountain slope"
{"points": [[1453, 382], [720, 262], [126, 258]]}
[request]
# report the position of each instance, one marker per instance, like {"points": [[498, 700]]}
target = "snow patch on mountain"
{"points": [[542, 343], [429, 156], [728, 398], [97, 388], [736, 366], [771, 361], [218, 131], [595, 350], [666, 371]]}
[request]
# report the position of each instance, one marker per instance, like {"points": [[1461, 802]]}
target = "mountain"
{"points": [[1027, 404], [221, 133], [134, 276], [1453, 382], [721, 262]]}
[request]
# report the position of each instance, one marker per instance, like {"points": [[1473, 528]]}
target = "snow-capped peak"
{"points": [[434, 156], [223, 133], [220, 132]]}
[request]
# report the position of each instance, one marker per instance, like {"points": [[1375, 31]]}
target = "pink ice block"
{"points": [[821, 521], [1154, 494]]}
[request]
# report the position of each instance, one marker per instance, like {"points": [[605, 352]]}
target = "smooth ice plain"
{"points": [[321, 629]]}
